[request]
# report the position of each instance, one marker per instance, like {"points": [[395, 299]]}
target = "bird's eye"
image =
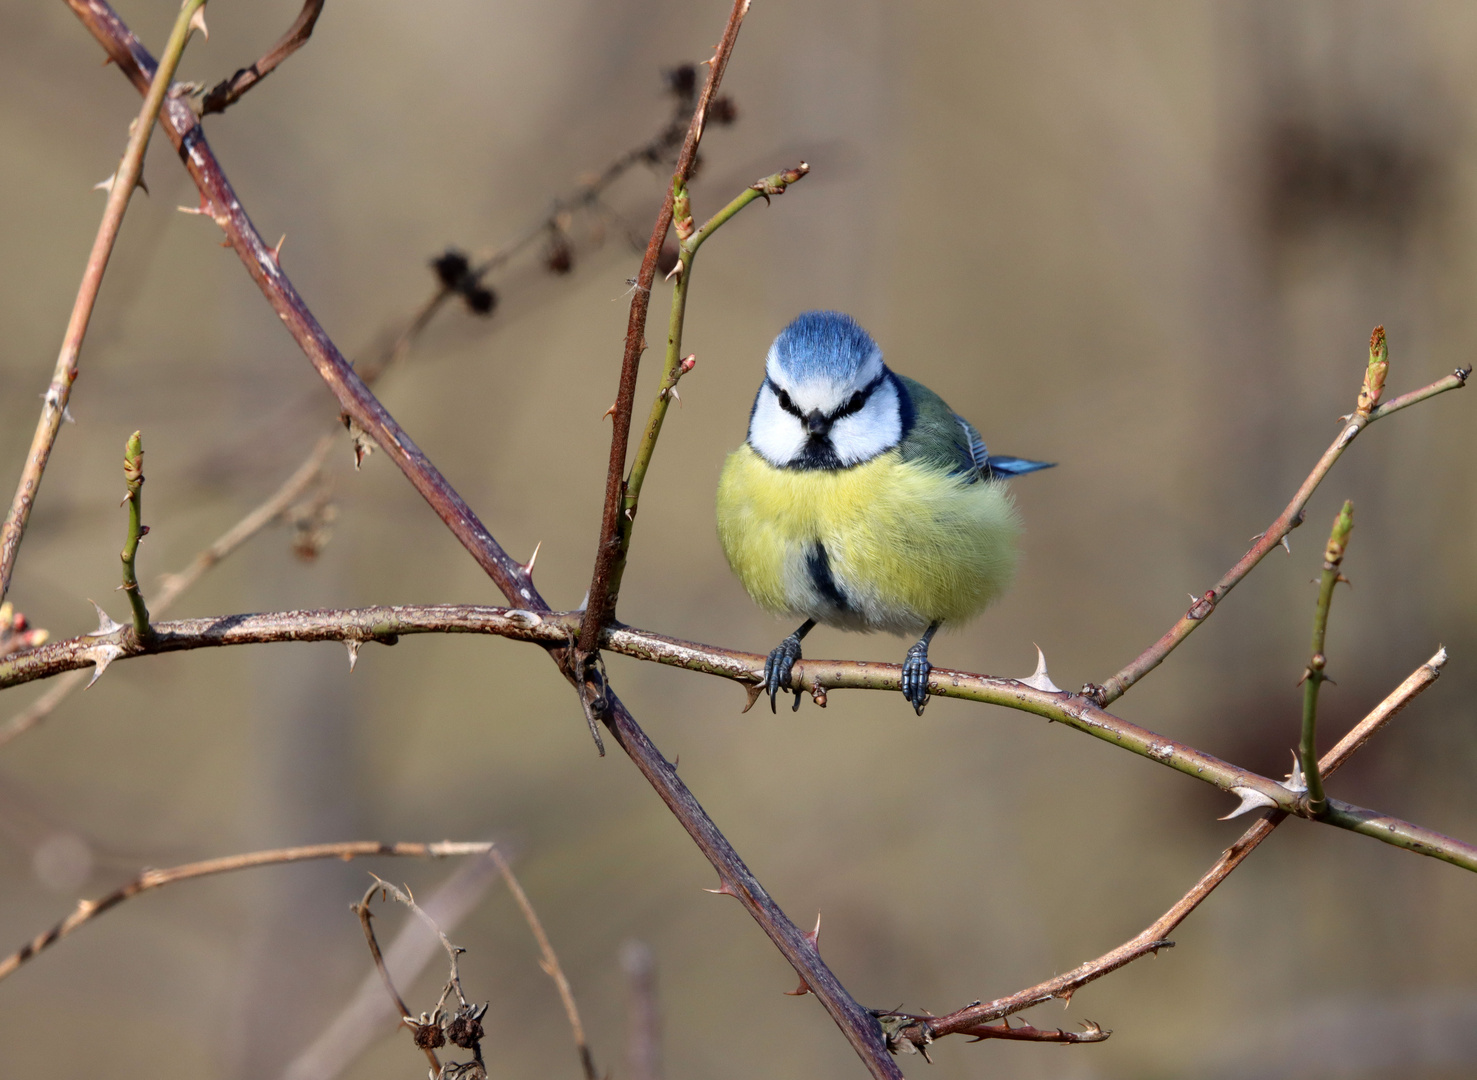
{"points": [[784, 400], [858, 399]]}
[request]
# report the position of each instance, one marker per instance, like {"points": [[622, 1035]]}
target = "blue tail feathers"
{"points": [[1005, 465]]}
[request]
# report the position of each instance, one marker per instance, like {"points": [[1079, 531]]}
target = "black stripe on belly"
{"points": [[818, 566]]}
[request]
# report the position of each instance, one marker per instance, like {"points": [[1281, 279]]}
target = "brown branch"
{"points": [[54, 402], [549, 961], [859, 1027], [1290, 518], [227, 92], [366, 923], [87, 910], [1154, 938], [598, 605], [554, 630]]}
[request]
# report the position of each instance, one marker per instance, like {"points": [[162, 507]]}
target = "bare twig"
{"points": [[1276, 533], [386, 624], [120, 190], [1313, 677], [87, 910], [227, 92], [597, 606], [1155, 937], [643, 1017], [549, 961], [366, 922]]}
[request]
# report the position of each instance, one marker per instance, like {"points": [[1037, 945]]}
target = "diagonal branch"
{"points": [[1154, 938], [120, 190], [549, 961], [87, 910], [1290, 518], [227, 92], [219, 200]]}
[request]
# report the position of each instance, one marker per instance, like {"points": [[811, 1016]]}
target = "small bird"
{"points": [[862, 501]]}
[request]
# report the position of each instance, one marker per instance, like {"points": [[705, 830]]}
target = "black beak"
{"points": [[817, 423]]}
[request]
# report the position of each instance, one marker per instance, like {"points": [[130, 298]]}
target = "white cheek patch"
{"points": [[874, 429], [776, 435]]}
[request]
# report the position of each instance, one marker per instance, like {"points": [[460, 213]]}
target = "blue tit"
{"points": [[862, 501]]}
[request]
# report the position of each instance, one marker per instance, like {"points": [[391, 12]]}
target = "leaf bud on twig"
{"points": [[1374, 374]]}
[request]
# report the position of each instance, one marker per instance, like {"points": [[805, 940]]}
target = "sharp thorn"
{"points": [[352, 645], [197, 22]]}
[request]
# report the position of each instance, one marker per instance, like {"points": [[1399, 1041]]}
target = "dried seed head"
{"points": [[465, 1031]]}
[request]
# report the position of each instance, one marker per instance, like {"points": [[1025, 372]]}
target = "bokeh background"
{"points": [[1145, 240]]}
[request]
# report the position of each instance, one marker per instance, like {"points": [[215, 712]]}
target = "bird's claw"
{"points": [[778, 667], [915, 676]]}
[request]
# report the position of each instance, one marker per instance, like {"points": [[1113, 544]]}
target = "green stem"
{"points": [[1313, 677], [674, 367], [133, 473]]}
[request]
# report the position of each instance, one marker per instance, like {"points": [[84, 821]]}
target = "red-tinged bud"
{"points": [[1374, 374]]}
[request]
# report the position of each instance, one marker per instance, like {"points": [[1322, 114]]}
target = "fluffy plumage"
{"points": [[906, 543], [861, 500]]}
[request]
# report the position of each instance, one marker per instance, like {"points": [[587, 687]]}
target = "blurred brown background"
{"points": [[1145, 240]]}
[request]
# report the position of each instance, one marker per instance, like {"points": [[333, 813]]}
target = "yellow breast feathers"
{"points": [[887, 545]]}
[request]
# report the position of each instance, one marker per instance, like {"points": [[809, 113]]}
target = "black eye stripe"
{"points": [[854, 404]]}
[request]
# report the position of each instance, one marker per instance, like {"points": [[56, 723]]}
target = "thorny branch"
{"points": [[120, 189], [172, 586], [598, 608], [925, 1029], [388, 624], [1277, 532], [860, 1028], [358, 401], [87, 910], [676, 366]]}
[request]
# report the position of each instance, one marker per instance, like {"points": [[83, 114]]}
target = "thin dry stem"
{"points": [[550, 964], [87, 910], [120, 191]]}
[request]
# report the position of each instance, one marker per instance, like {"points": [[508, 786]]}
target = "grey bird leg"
{"points": [[780, 663], [915, 671]]}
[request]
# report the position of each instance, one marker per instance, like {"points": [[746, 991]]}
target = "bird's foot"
{"points": [[915, 676], [778, 668]]}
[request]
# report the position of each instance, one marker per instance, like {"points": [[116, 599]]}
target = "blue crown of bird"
{"points": [[862, 501]]}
